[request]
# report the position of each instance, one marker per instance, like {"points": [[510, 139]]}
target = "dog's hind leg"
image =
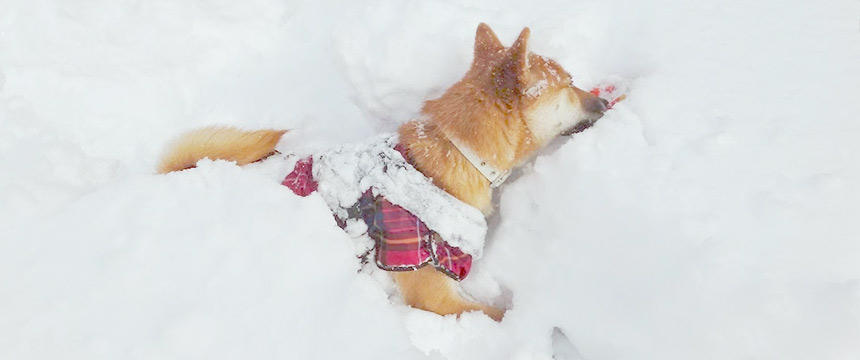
{"points": [[431, 290]]}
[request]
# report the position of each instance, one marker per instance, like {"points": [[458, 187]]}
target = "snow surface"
{"points": [[711, 215]]}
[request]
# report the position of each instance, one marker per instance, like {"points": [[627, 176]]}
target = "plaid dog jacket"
{"points": [[402, 242]]}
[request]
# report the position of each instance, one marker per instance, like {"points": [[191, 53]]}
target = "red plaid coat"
{"points": [[402, 241]]}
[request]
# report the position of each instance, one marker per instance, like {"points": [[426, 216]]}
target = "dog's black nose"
{"points": [[595, 105]]}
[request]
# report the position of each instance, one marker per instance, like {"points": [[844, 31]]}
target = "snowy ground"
{"points": [[712, 215]]}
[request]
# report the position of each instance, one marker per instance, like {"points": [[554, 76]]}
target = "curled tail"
{"points": [[218, 142]]}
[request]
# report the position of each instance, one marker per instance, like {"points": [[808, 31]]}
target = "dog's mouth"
{"points": [[578, 128], [595, 110], [582, 125]]}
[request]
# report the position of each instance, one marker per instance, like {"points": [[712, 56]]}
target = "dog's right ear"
{"points": [[519, 52], [486, 42]]}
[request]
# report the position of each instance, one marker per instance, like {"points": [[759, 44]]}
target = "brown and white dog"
{"points": [[508, 105]]}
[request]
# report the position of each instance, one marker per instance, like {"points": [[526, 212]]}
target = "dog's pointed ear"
{"points": [[486, 42], [509, 76], [519, 52]]}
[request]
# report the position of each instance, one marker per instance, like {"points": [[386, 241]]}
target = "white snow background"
{"points": [[711, 215]]}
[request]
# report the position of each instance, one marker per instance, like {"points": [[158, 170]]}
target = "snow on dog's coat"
{"points": [[357, 181], [345, 173]]}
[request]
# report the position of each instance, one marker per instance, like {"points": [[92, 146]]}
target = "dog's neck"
{"points": [[433, 154], [471, 116], [494, 175]]}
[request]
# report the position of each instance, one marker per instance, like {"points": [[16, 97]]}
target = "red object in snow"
{"points": [[301, 179], [609, 93]]}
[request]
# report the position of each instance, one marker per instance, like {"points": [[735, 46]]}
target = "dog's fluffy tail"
{"points": [[217, 142]]}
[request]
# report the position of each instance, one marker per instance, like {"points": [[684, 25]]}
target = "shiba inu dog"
{"points": [[509, 104]]}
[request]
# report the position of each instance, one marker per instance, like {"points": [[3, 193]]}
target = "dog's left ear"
{"points": [[509, 76], [519, 53]]}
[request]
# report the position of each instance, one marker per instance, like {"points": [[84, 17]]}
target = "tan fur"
{"points": [[509, 104], [434, 291], [487, 110], [225, 143]]}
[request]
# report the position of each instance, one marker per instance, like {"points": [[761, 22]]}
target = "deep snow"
{"points": [[712, 214]]}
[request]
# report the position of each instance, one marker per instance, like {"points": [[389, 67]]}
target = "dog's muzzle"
{"points": [[595, 105]]}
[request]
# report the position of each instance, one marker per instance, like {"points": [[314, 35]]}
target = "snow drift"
{"points": [[712, 214]]}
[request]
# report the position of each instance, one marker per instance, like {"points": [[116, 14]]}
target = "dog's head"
{"points": [[512, 102]]}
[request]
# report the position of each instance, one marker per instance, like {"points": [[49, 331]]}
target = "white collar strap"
{"points": [[494, 175]]}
